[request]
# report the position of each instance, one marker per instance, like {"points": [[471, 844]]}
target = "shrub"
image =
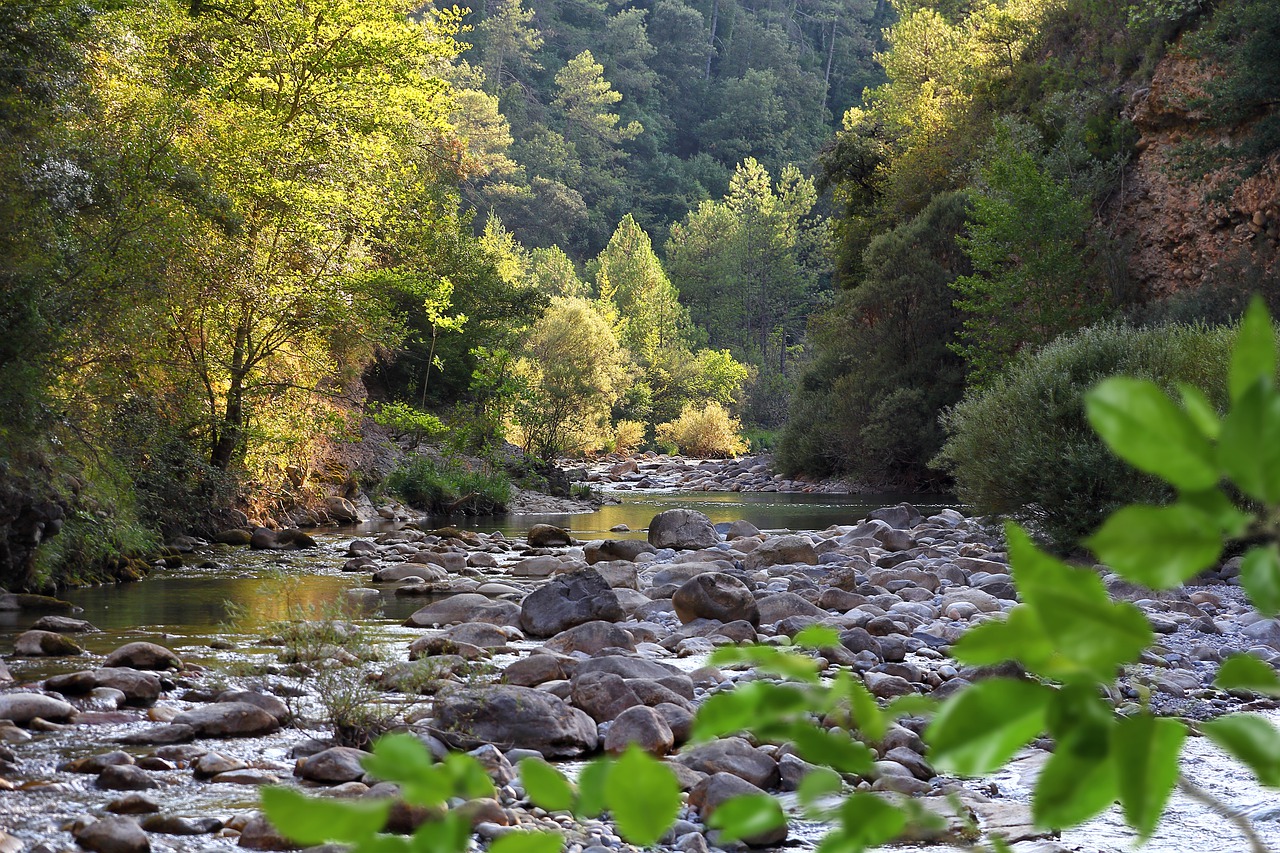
{"points": [[707, 432], [627, 436], [1022, 448], [437, 488]]}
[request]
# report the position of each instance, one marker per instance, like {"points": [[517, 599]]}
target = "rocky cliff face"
{"points": [[1177, 239]]}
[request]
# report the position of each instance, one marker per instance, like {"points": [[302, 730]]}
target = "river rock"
{"points": [[140, 689], [786, 605], [606, 550], [901, 517], [181, 825], [213, 763], [538, 669], [465, 607], [34, 603], [34, 644], [126, 777], [590, 638], [732, 755], [228, 719], [709, 794], [512, 716], [113, 835], [548, 536], [782, 550], [143, 656], [619, 574], [333, 766], [259, 834], [404, 571], [627, 667], [426, 647], [538, 567], [642, 726], [22, 708], [64, 625], [568, 600], [341, 509], [290, 538], [234, 536], [682, 529], [602, 695], [271, 704], [133, 804], [1264, 632], [715, 595]]}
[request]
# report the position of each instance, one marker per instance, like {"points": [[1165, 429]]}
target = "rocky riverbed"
{"points": [[650, 471], [543, 646]]}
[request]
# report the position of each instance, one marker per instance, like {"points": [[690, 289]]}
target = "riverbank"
{"points": [[607, 640]]}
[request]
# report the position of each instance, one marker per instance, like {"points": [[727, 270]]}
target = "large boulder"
{"points": [[548, 536], [143, 656], [683, 529], [715, 595], [901, 517], [568, 600], [605, 550], [602, 695], [713, 791], [642, 726], [228, 719], [113, 835], [590, 638], [732, 755], [333, 766], [782, 551], [465, 607], [22, 708], [139, 688], [510, 716], [341, 509], [288, 539], [33, 644]]}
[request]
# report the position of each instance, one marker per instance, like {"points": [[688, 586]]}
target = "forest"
{"points": [[836, 229]]}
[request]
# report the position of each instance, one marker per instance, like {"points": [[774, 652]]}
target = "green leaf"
{"points": [[1253, 358], [448, 835], [981, 727], [1018, 636], [867, 716], [1260, 574], [831, 748], [818, 783], [1246, 672], [746, 816], [1158, 546], [752, 705], [867, 821], [643, 795], [1249, 447], [470, 781], [817, 637], [546, 786], [1145, 428], [1073, 788], [1251, 739], [1146, 758], [768, 659], [591, 787], [1230, 519], [405, 760], [528, 842], [310, 821], [1088, 633], [1200, 410]]}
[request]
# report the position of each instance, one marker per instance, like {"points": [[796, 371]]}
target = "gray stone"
{"points": [[732, 755], [33, 644], [682, 529], [715, 595], [548, 536], [113, 835], [568, 600], [146, 656], [591, 637], [22, 708], [126, 777], [228, 719], [333, 766], [782, 550], [466, 607], [511, 716], [713, 791], [606, 550], [64, 625], [642, 726], [181, 825]]}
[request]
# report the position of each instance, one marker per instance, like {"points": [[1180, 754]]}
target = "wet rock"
{"points": [[212, 763], [333, 766], [35, 644], [247, 776], [159, 735], [715, 595], [178, 825], [228, 719], [739, 530], [22, 708], [288, 539], [591, 637], [548, 536], [568, 600], [140, 689], [64, 625], [405, 571], [513, 716], [272, 705], [732, 755], [713, 791], [113, 835], [643, 726], [126, 777], [682, 529], [97, 763], [236, 536], [34, 603], [146, 656], [465, 607], [782, 550], [537, 567], [607, 550], [133, 804]]}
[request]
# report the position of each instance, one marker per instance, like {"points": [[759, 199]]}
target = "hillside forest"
{"points": [[234, 235]]}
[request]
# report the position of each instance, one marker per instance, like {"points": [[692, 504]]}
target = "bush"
{"points": [[1022, 447], [708, 432], [627, 436], [428, 485]]}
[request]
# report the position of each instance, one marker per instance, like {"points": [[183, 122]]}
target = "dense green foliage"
{"points": [[1022, 446], [449, 487]]}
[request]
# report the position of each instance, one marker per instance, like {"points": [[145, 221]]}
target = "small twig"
{"points": [[1218, 807]]}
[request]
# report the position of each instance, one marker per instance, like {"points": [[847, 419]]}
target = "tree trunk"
{"points": [[711, 42], [228, 439]]}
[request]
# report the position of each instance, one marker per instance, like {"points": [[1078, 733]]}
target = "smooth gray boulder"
{"points": [[567, 600], [22, 708], [510, 716], [113, 835], [143, 656], [228, 719], [715, 595], [682, 529], [36, 644], [465, 607]]}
